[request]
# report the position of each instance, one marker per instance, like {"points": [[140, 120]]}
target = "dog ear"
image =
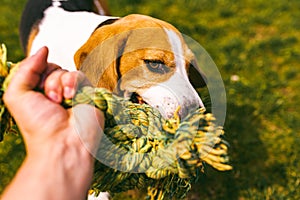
{"points": [[99, 57], [196, 76]]}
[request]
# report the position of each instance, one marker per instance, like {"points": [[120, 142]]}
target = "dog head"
{"points": [[144, 59]]}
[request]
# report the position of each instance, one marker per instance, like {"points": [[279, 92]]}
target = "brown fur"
{"points": [[120, 50], [31, 38]]}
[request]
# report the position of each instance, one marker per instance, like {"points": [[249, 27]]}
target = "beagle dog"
{"points": [[136, 56]]}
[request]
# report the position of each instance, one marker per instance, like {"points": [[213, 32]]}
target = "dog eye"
{"points": [[157, 66]]}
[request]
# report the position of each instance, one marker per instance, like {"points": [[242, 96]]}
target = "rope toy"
{"points": [[141, 148]]}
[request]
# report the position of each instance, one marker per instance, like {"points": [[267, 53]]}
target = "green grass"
{"points": [[256, 40]]}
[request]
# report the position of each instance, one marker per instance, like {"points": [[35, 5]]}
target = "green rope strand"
{"points": [[167, 154]]}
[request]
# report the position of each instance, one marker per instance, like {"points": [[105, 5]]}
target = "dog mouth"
{"points": [[136, 98], [165, 101]]}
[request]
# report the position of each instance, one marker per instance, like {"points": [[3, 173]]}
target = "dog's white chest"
{"points": [[63, 33]]}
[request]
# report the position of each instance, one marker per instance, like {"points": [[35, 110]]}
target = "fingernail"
{"points": [[40, 50], [69, 92], [53, 96]]}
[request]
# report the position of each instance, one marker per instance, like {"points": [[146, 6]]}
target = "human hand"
{"points": [[58, 141]]}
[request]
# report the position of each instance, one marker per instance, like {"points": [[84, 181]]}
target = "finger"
{"points": [[51, 68], [30, 71], [72, 81], [53, 86]]}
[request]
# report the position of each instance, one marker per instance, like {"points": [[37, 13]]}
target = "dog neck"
{"points": [[34, 13], [64, 32], [79, 5]]}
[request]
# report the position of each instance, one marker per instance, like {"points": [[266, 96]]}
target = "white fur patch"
{"points": [[177, 49], [64, 33]]}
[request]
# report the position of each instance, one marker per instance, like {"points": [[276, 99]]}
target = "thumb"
{"points": [[30, 72], [26, 78]]}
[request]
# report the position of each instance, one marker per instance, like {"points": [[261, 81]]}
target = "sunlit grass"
{"points": [[255, 44]]}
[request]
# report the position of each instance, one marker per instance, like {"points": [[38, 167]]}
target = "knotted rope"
{"points": [[141, 148]]}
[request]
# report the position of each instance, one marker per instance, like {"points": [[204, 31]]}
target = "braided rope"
{"points": [[167, 154]]}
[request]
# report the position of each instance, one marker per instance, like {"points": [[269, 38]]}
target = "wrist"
{"points": [[62, 172]]}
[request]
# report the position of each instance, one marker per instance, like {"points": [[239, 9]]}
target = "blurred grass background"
{"points": [[256, 46]]}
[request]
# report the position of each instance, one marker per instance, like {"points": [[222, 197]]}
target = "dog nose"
{"points": [[189, 103]]}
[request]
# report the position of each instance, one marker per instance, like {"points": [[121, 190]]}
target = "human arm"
{"points": [[58, 141]]}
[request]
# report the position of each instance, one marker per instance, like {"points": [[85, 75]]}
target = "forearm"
{"points": [[61, 175]]}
